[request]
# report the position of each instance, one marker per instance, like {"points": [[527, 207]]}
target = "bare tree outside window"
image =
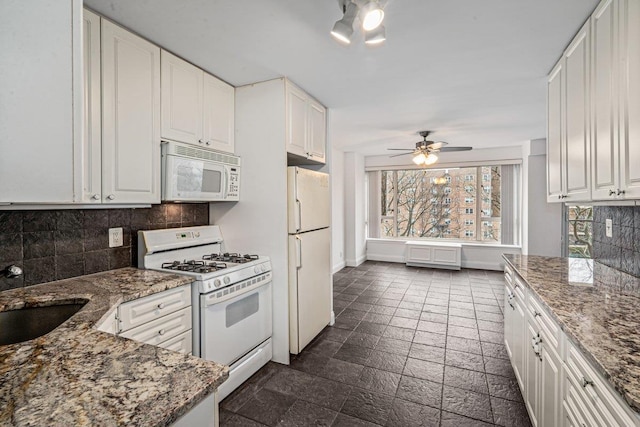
{"points": [[580, 220], [462, 203]]}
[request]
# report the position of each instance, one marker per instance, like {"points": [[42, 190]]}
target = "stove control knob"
{"points": [[263, 268], [226, 280], [256, 269], [217, 283]]}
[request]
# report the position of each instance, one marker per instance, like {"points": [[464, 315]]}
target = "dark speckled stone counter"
{"points": [[77, 375], [599, 310]]}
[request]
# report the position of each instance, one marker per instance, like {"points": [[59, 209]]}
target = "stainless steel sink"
{"points": [[28, 323]]}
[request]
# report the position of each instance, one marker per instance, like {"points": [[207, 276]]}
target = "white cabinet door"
{"points": [[317, 116], [555, 134], [630, 98], [577, 117], [550, 390], [130, 117], [181, 99], [604, 128], [40, 100], [218, 114], [92, 129], [519, 346], [296, 120], [532, 376]]}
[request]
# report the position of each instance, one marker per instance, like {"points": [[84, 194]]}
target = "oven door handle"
{"points": [[298, 252], [298, 215]]}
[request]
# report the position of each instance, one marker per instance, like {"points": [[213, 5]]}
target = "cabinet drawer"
{"points": [[183, 343], [143, 310], [544, 321], [508, 275], [162, 329], [605, 408], [519, 288]]}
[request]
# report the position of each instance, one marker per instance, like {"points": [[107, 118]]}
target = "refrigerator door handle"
{"points": [[299, 215], [298, 252]]}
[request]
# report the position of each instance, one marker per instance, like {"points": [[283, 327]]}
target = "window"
{"points": [[580, 219], [437, 203]]}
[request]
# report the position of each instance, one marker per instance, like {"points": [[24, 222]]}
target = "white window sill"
{"points": [[462, 242]]}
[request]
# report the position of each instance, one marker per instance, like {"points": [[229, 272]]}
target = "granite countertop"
{"points": [[77, 375], [599, 310]]}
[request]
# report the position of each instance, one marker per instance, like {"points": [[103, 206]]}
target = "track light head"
{"points": [[371, 15], [343, 28], [376, 36]]}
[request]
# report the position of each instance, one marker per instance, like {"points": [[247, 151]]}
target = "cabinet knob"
{"points": [[620, 192], [536, 314], [201, 141], [95, 197], [161, 305], [111, 197], [161, 332], [611, 192], [585, 382]]}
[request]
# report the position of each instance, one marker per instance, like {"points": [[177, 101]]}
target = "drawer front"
{"points": [[162, 329], [508, 274], [543, 319], [593, 391], [143, 310], [183, 343], [574, 411], [519, 288]]}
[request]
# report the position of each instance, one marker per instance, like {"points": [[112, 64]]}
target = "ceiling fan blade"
{"points": [[443, 149], [437, 145], [401, 149], [402, 154]]}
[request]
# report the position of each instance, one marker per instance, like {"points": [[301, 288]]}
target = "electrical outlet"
{"points": [[608, 231], [115, 237]]}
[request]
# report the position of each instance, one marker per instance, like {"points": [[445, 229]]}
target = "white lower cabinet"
{"points": [[559, 386], [162, 319]]}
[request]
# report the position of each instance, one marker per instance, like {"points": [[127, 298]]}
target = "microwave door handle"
{"points": [[226, 183]]}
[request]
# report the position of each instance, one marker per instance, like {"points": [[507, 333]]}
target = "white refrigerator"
{"points": [[309, 216]]}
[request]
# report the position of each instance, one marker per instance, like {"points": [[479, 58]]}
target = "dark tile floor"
{"points": [[410, 347]]}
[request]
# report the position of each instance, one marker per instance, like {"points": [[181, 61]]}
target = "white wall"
{"points": [[544, 220], [354, 209], [337, 211]]}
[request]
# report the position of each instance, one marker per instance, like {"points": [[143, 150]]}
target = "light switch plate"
{"points": [[608, 228], [115, 237]]}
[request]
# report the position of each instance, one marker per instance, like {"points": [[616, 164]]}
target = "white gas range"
{"points": [[231, 296]]}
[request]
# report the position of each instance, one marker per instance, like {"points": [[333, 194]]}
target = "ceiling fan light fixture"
{"points": [[372, 15], [343, 28], [430, 159], [376, 36], [419, 159]]}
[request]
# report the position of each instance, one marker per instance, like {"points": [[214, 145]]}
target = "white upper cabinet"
{"points": [[130, 117], [92, 128], [181, 99], [556, 145], [629, 77], [604, 142], [306, 122], [40, 101], [218, 112], [197, 108], [576, 108]]}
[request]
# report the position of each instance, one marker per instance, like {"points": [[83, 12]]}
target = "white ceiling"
{"points": [[474, 71]]}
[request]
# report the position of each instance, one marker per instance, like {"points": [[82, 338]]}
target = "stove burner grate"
{"points": [[194, 266], [230, 257]]}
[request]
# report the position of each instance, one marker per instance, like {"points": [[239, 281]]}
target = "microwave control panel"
{"points": [[234, 184]]}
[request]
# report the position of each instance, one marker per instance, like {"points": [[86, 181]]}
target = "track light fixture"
{"points": [[371, 16]]}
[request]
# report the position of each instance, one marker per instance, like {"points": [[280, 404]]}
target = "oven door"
{"points": [[193, 180], [232, 327]]}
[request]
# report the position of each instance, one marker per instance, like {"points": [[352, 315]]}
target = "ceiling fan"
{"points": [[425, 152]]}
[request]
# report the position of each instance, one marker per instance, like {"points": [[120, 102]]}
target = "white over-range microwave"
{"points": [[195, 174]]}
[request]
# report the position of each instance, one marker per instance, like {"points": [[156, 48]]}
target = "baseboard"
{"points": [[387, 258], [356, 262], [339, 266]]}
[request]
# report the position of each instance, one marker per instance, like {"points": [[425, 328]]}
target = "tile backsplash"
{"points": [[622, 251], [53, 245]]}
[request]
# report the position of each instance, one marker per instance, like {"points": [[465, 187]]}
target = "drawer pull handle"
{"points": [[161, 305], [161, 332], [536, 314], [586, 382]]}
